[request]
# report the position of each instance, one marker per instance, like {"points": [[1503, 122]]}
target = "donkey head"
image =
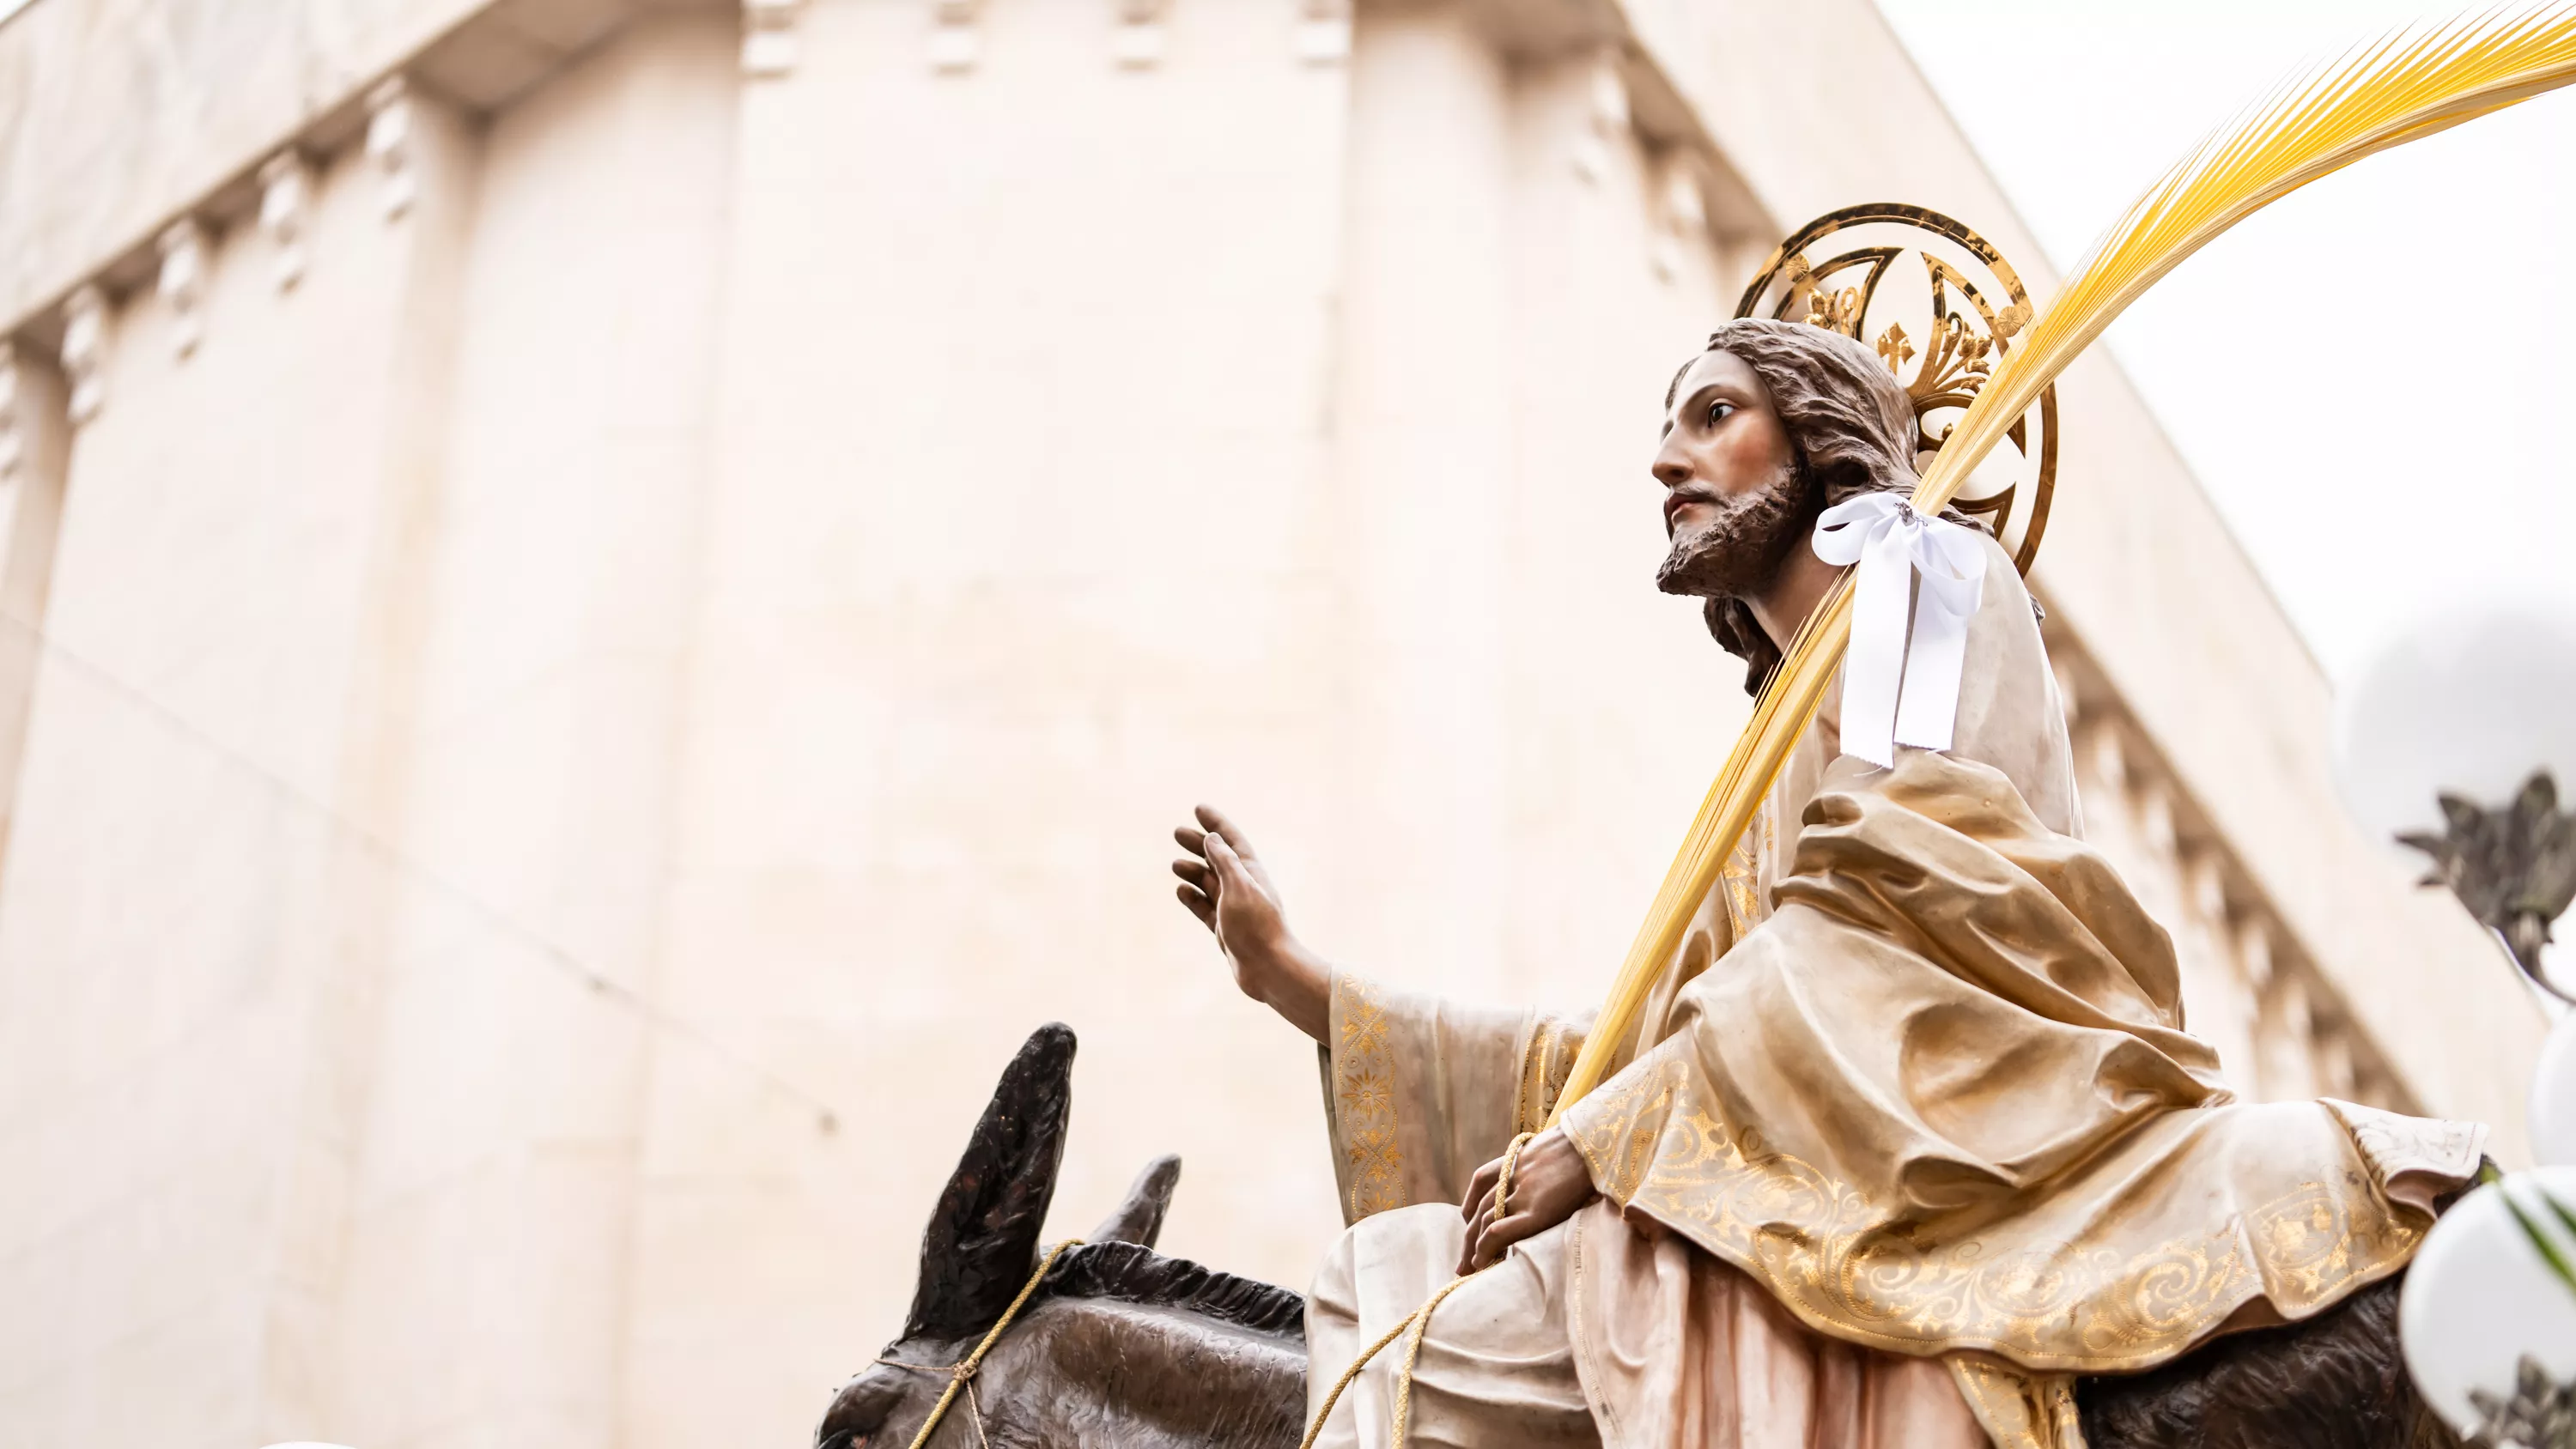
{"points": [[982, 1242]]}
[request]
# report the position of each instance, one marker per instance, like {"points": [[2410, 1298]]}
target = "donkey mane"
{"points": [[1134, 1273]]}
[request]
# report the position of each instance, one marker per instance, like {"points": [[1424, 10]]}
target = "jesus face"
{"points": [[1734, 502]]}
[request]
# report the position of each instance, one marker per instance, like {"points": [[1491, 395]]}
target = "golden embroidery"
{"points": [[1364, 1093], [1369, 1093], [1835, 1257], [2018, 1410], [1545, 1060], [1739, 880], [2057, 1392]]}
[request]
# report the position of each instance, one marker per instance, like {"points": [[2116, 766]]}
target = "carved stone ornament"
{"points": [[390, 145], [1942, 307], [955, 42], [769, 43], [2541, 1414], [85, 352], [286, 213], [13, 422], [1605, 118], [1324, 32], [183, 283], [2512, 867], [1681, 214], [1138, 41]]}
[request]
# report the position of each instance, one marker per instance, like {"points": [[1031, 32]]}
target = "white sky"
{"points": [[2373, 376]]}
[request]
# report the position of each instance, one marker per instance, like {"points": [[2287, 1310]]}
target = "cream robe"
{"points": [[1909, 1157]]}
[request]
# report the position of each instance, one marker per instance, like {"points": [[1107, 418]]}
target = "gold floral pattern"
{"points": [[2019, 1410], [1365, 1099], [1740, 878], [1546, 1058], [1876, 1275], [1941, 1102]]}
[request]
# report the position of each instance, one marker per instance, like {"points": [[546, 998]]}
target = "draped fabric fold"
{"points": [[1419, 1091], [1943, 1101], [1910, 1133]]}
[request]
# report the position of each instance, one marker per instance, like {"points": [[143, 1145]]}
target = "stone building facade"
{"points": [[605, 601]]}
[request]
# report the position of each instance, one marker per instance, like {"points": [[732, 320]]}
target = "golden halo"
{"points": [[1840, 271]]}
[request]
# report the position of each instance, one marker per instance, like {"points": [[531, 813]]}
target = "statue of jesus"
{"points": [[1909, 1133]]}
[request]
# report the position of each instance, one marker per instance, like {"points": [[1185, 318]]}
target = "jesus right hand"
{"points": [[1226, 886]]}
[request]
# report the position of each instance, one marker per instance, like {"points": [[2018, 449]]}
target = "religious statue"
{"points": [[1910, 1132], [1889, 1129], [1103, 1340], [1889, 1134]]}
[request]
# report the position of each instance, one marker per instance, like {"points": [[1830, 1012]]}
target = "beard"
{"points": [[1736, 553]]}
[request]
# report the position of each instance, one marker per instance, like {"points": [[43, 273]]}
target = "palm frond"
{"points": [[2406, 85]]}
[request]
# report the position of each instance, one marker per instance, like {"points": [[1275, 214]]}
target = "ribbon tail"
{"points": [[1875, 661], [1927, 714]]}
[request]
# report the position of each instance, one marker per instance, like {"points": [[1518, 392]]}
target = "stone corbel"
{"points": [[1605, 117], [2287, 1028], [390, 145], [2254, 955], [1138, 43], [955, 42], [769, 43], [13, 421], [2153, 809], [2070, 692], [182, 285], [85, 351], [2204, 880], [1324, 32], [286, 212], [2331, 1055], [2290, 1008], [1681, 214], [2106, 759]]}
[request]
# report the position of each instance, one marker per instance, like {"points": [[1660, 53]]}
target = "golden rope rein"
{"points": [[961, 1375], [1412, 1327]]}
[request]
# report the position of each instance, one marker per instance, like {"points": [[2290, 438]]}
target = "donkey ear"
{"points": [[983, 1237], [1139, 1219]]}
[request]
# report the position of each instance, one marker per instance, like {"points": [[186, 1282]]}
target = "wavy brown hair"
{"points": [[1852, 428]]}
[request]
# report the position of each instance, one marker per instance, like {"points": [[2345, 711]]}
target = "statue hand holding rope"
{"points": [[1548, 1182]]}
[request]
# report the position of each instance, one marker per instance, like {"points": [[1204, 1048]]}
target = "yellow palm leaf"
{"points": [[2408, 84]]}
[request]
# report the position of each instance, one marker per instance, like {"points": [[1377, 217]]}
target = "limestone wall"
{"points": [[638, 587]]}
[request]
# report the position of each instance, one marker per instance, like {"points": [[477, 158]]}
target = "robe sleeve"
{"points": [[1420, 1091]]}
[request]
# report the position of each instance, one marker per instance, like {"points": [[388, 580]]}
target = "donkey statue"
{"points": [[1119, 1345]]}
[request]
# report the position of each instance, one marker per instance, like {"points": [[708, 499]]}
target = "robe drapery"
{"points": [[1909, 1134]]}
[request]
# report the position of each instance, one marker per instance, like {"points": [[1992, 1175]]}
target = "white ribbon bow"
{"points": [[1891, 694]]}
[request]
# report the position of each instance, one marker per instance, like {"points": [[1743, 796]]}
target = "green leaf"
{"points": [[2566, 1219], [2540, 1241]]}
